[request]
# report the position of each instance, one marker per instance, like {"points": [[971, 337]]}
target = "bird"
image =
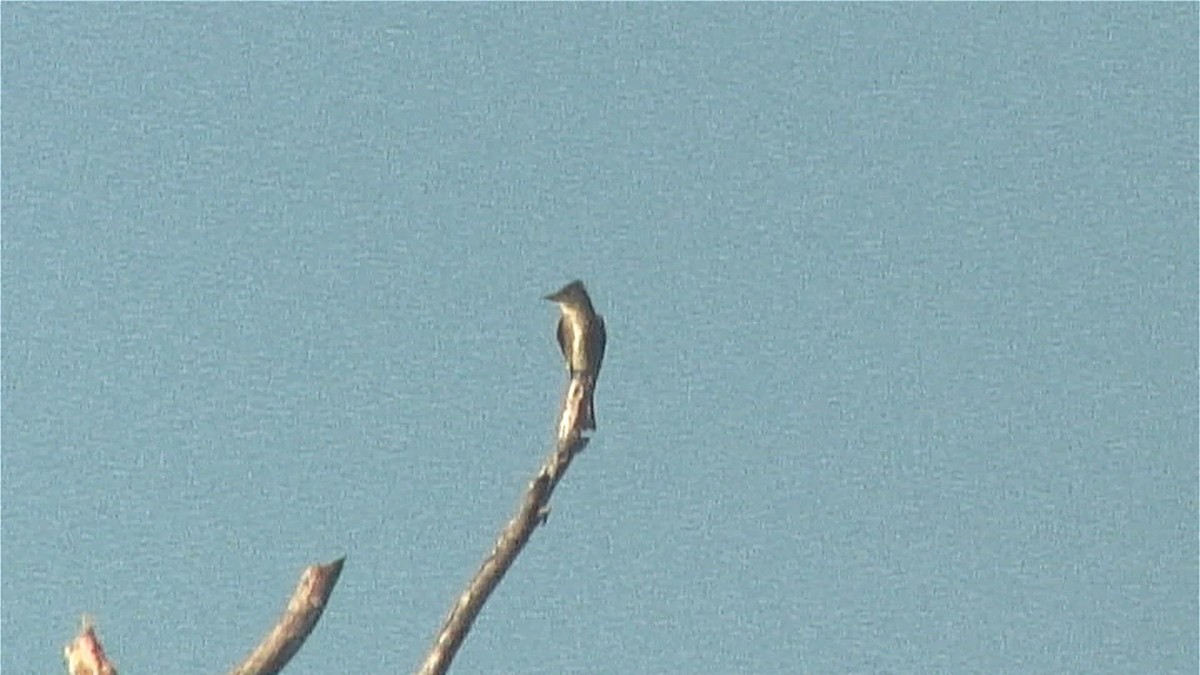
{"points": [[581, 337]]}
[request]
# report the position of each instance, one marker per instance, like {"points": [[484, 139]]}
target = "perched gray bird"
{"points": [[581, 337]]}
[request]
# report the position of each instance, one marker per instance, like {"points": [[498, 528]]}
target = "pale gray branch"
{"points": [[535, 507], [301, 616]]}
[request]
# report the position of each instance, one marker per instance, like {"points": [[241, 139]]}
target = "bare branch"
{"points": [[534, 509], [298, 620], [85, 655]]}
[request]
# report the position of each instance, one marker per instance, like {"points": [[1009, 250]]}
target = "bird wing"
{"points": [[562, 341], [601, 338]]}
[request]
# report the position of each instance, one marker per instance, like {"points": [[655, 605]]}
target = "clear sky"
{"points": [[901, 304]]}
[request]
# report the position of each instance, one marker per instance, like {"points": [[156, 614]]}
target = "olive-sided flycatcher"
{"points": [[581, 337]]}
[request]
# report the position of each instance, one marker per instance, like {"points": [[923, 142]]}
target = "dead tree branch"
{"points": [[298, 620], [534, 509], [85, 655]]}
